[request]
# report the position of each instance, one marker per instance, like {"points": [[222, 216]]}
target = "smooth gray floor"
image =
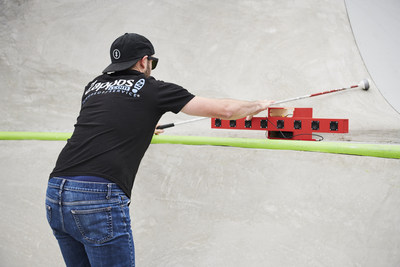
{"points": [[206, 205]]}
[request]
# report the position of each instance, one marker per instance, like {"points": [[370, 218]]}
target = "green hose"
{"points": [[372, 150]]}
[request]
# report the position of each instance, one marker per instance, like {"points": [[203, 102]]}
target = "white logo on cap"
{"points": [[116, 54]]}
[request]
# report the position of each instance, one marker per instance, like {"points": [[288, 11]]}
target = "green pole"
{"points": [[372, 150]]}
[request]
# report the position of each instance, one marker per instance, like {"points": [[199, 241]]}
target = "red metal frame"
{"points": [[286, 123]]}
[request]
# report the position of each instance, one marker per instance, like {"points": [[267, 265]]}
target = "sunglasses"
{"points": [[154, 62]]}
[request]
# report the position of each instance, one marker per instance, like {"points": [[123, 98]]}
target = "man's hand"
{"points": [[158, 131], [266, 103], [248, 118]]}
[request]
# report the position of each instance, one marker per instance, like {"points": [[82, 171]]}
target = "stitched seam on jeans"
{"points": [[52, 200], [80, 189], [90, 211], [53, 185], [90, 202], [127, 230], [48, 213], [90, 190]]}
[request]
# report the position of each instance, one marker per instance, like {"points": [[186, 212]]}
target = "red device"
{"points": [[286, 123]]}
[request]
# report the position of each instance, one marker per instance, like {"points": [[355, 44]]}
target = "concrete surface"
{"points": [[376, 25], [206, 206]]}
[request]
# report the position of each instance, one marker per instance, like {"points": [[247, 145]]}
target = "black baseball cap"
{"points": [[126, 50]]}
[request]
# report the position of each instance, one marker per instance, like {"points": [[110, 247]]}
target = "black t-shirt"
{"points": [[116, 124]]}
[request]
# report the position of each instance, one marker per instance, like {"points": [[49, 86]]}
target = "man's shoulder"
{"points": [[162, 84]]}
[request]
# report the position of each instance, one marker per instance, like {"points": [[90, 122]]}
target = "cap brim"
{"points": [[113, 67]]}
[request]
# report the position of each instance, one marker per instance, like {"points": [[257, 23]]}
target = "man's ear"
{"points": [[142, 62]]}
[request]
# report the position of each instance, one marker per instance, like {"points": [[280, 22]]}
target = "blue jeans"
{"points": [[91, 223]]}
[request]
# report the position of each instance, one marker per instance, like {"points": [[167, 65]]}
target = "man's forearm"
{"points": [[228, 109]]}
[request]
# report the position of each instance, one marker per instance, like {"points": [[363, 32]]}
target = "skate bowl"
{"points": [[207, 204]]}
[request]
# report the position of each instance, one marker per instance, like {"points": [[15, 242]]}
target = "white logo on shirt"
{"points": [[138, 85], [118, 86]]}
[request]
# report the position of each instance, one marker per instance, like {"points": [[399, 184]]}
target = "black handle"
{"points": [[169, 125]]}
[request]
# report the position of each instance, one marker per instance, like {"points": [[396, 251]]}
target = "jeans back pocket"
{"points": [[95, 225]]}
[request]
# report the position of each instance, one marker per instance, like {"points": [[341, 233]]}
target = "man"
{"points": [[89, 189]]}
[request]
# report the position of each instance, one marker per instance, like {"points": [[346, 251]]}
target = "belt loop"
{"points": [[61, 190], [109, 186], [60, 203]]}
